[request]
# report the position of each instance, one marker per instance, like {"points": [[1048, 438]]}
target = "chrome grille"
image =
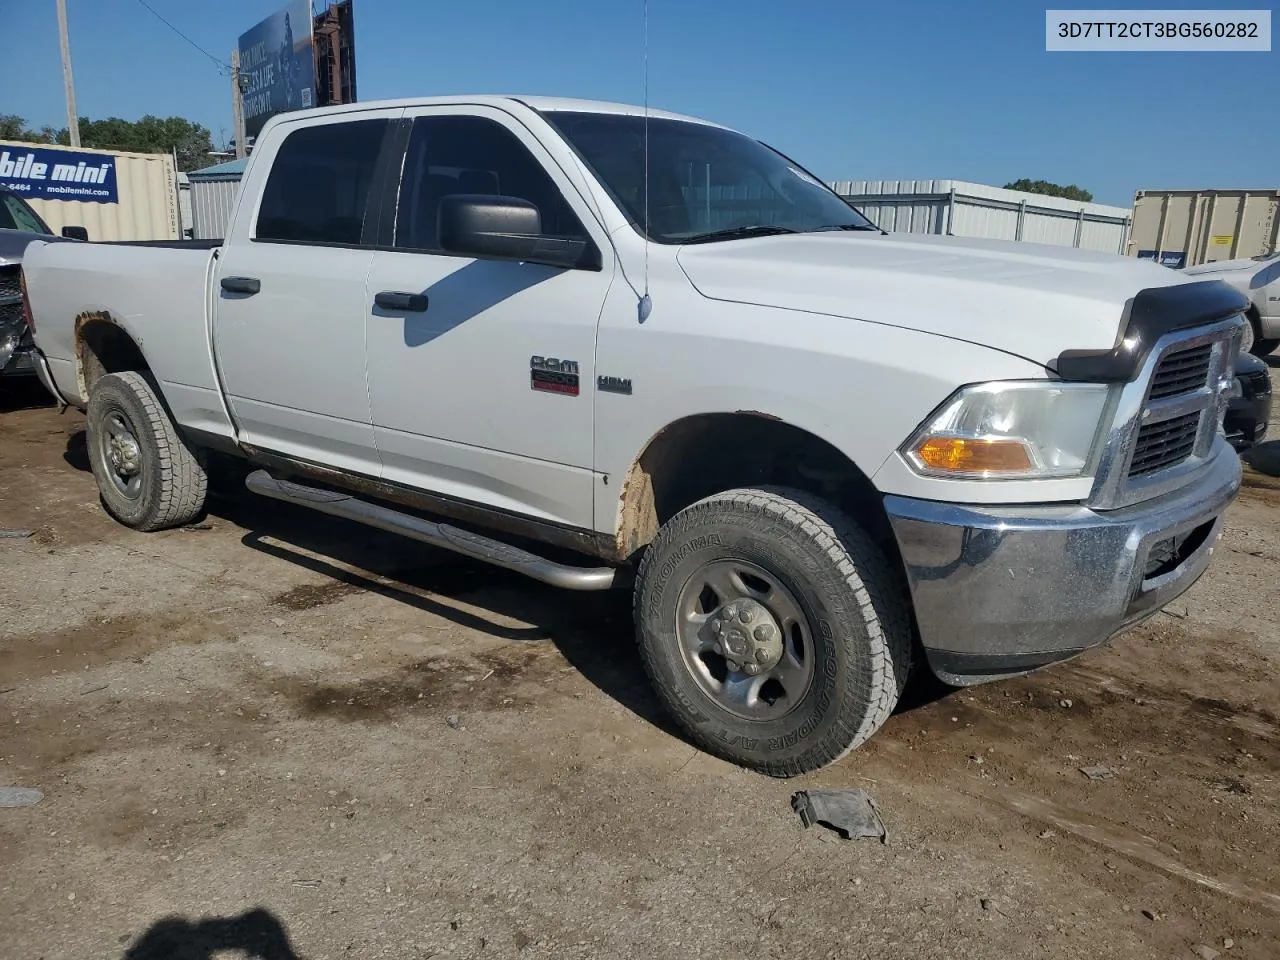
{"points": [[1181, 371], [11, 319], [1164, 444], [1168, 417], [10, 284]]}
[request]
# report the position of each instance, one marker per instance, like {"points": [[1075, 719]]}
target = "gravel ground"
{"points": [[281, 733]]}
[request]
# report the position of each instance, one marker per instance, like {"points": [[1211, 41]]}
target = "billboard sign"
{"points": [[277, 66], [52, 173]]}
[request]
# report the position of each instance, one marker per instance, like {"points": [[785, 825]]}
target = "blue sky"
{"points": [[853, 90]]}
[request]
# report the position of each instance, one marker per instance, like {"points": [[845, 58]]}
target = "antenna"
{"points": [[646, 305]]}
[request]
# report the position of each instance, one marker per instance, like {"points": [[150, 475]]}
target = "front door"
{"points": [[290, 296], [482, 372]]}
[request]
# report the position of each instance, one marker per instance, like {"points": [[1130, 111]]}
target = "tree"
{"points": [[13, 127], [191, 141], [1045, 188]]}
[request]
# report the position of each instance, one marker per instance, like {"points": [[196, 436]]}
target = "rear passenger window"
{"points": [[472, 155], [318, 187]]}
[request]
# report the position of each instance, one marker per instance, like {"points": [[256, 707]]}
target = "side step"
{"points": [[441, 535]]}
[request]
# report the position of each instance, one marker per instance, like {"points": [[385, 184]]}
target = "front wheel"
{"points": [[148, 477], [1253, 342], [772, 628]]}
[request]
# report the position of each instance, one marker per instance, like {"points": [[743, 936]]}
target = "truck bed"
{"points": [[168, 244], [157, 292]]}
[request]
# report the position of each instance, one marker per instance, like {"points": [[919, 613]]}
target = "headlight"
{"points": [[1013, 430]]}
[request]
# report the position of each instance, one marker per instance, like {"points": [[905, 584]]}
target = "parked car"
{"points": [[1258, 278], [19, 225], [1249, 409], [818, 448]]}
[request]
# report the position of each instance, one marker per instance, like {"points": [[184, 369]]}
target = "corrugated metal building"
{"points": [[213, 193], [147, 208], [962, 209], [907, 206]]}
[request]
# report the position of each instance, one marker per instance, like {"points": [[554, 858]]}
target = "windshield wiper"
{"points": [[736, 233], [872, 228]]}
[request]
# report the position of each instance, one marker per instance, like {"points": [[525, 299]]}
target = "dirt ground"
{"points": [[243, 734]]}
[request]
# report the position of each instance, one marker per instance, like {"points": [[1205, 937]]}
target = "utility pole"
{"points": [[237, 104], [73, 121]]}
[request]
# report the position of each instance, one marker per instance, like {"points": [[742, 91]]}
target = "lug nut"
{"points": [[745, 615], [761, 656], [763, 633]]}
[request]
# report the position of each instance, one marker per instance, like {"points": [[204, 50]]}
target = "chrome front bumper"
{"points": [[1004, 590]]}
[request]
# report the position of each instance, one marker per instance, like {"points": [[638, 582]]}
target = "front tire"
{"points": [[772, 628], [148, 478], [1253, 341]]}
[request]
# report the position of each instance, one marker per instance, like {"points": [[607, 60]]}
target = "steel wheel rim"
{"points": [[778, 688], [121, 454]]}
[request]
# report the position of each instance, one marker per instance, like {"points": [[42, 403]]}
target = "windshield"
{"points": [[706, 183], [16, 215]]}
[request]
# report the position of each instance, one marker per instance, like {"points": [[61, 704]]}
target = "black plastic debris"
{"points": [[850, 813]]}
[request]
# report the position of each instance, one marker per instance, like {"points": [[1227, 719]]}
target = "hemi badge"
{"points": [[614, 385]]}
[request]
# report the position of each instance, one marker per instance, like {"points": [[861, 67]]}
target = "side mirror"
{"points": [[507, 228], [75, 233]]}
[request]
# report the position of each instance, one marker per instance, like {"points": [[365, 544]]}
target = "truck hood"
{"points": [[1220, 267], [1030, 300], [13, 244]]}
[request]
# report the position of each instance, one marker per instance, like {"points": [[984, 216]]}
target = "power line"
{"points": [[223, 68]]}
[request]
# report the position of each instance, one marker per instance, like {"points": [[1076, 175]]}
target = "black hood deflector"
{"points": [[1151, 314]]}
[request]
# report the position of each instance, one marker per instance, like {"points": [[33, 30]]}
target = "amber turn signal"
{"points": [[973, 456]]}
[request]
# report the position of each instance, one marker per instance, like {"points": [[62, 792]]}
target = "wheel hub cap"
{"points": [[122, 451], [748, 636], [745, 639]]}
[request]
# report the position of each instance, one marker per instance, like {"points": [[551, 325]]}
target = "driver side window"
{"points": [[472, 155]]}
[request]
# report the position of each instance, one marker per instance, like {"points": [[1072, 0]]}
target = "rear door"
{"points": [[483, 389], [289, 292]]}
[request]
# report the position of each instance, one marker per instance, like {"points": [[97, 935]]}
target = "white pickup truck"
{"points": [[821, 452], [1258, 279]]}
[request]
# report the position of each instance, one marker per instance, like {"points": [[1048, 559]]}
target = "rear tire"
{"points": [[800, 568], [148, 477]]}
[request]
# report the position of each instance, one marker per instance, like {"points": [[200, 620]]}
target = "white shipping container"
{"points": [[963, 209], [147, 197], [1185, 228]]}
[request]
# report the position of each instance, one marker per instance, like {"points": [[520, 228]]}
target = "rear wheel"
{"points": [[148, 477], [772, 628]]}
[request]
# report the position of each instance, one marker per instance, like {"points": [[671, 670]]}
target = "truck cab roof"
{"points": [[537, 103]]}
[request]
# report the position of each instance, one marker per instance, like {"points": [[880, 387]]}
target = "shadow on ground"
{"points": [[592, 631], [1265, 458], [77, 452], [22, 393], [256, 935]]}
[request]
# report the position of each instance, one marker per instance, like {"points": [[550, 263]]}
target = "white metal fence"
{"points": [[962, 209]]}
